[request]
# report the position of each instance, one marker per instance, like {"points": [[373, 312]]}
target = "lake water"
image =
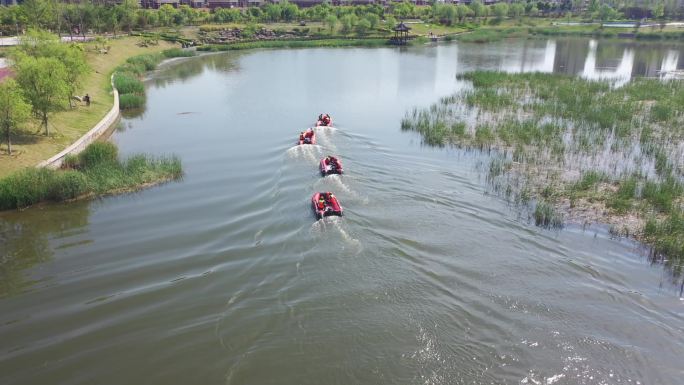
{"points": [[225, 277]]}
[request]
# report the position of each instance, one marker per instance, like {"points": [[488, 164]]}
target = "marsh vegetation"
{"points": [[128, 77], [95, 171], [586, 151]]}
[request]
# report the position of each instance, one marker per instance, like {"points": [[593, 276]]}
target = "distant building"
{"points": [[193, 3], [158, 3], [212, 4]]}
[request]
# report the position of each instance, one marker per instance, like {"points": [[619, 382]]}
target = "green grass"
{"points": [[545, 215], [489, 99], [589, 180], [375, 42], [177, 52], [622, 200], [96, 170], [667, 239], [71, 124], [131, 101], [127, 83], [488, 35]]}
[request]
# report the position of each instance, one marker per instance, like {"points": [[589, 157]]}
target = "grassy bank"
{"points": [[295, 44], [96, 171], [67, 126], [581, 150], [491, 34], [127, 77], [487, 35]]}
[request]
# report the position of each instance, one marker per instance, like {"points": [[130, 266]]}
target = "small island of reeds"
{"points": [[94, 172], [574, 149]]}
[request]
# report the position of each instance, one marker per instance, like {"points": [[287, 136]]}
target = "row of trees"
{"points": [[99, 15], [47, 73]]}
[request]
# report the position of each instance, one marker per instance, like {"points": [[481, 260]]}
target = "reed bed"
{"points": [[127, 77], [96, 171], [568, 147], [488, 35]]}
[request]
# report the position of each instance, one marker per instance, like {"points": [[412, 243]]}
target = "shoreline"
{"points": [[311, 43], [70, 125]]}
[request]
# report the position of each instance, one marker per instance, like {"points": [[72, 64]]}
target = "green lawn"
{"points": [[31, 148]]}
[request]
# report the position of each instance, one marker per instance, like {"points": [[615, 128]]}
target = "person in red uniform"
{"points": [[308, 136]]}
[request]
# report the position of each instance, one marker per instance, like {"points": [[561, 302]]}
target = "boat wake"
{"points": [[308, 152], [334, 224], [324, 137], [336, 182]]}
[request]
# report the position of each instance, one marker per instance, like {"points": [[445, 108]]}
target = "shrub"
{"points": [[68, 185], [589, 179], [98, 153], [130, 101], [25, 188], [546, 216], [177, 52], [148, 62], [99, 172], [126, 84], [71, 161]]}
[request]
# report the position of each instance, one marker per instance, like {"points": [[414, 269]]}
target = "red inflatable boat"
{"points": [[307, 137], [331, 165], [325, 204], [324, 120]]}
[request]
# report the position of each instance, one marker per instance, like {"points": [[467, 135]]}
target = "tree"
{"points": [[75, 65], [478, 8], [331, 22], [404, 9], [189, 15], [516, 10], [606, 12], [38, 43], [289, 11], [13, 17], [363, 26], [14, 110], [166, 14], [273, 12], [444, 13], [658, 10], [500, 11], [40, 13], [390, 22], [44, 81], [373, 19], [462, 11], [127, 12], [147, 18], [593, 6], [348, 22]]}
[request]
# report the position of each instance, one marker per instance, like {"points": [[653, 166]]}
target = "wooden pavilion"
{"points": [[401, 34]]}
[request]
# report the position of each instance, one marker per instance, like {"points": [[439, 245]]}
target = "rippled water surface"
{"points": [[226, 278]]}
